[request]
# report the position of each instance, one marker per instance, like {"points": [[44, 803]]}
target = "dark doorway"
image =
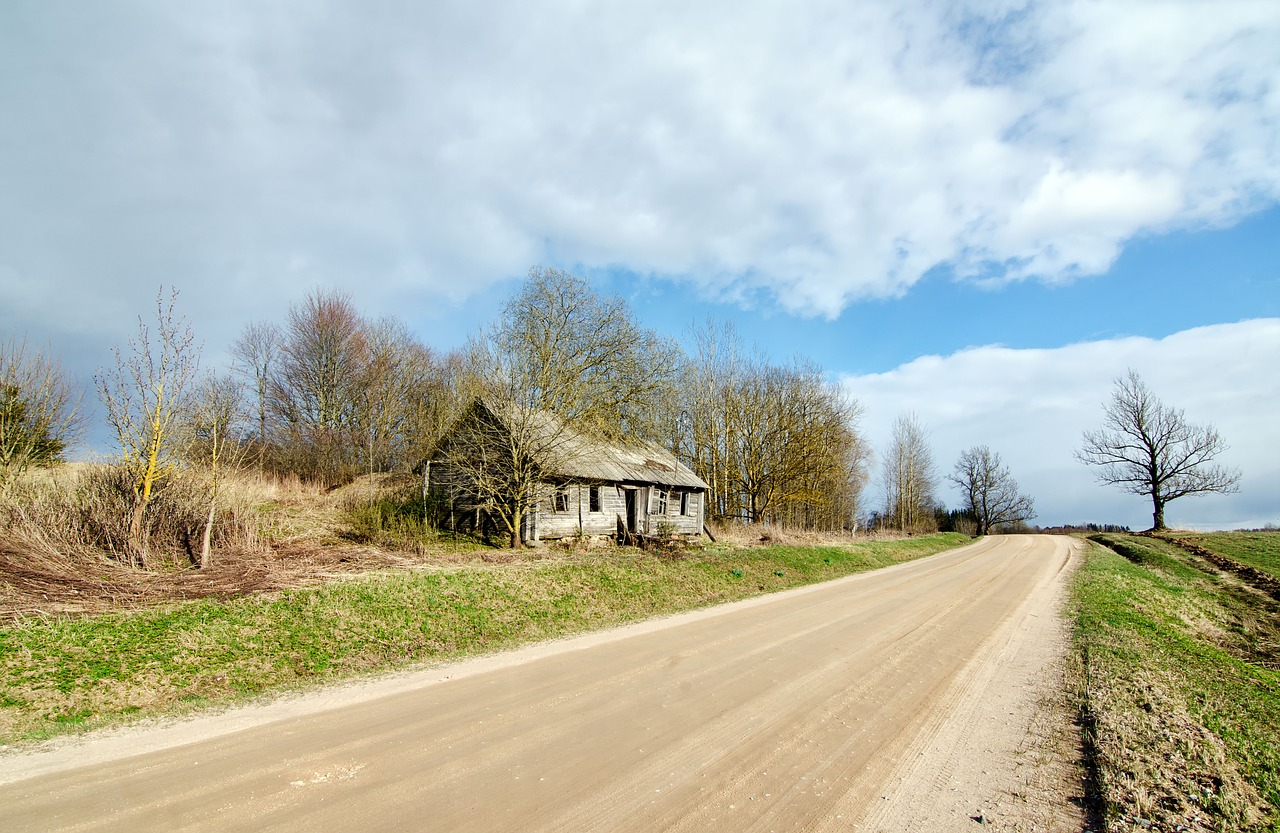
{"points": [[630, 496]]}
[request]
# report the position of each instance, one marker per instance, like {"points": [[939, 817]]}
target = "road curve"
{"points": [[812, 710]]}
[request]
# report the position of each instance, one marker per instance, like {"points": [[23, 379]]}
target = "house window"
{"points": [[560, 499], [595, 498], [684, 503], [661, 501]]}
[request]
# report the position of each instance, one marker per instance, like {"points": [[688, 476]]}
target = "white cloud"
{"points": [[820, 152], [1032, 405]]}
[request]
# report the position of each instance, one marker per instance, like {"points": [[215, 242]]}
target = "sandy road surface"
{"points": [[906, 699]]}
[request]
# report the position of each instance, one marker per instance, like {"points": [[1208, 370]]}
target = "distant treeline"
{"points": [[1068, 529]]}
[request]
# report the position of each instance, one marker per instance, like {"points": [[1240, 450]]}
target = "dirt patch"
{"points": [[34, 584], [38, 583], [1252, 576]]}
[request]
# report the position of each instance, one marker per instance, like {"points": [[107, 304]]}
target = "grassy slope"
{"points": [[59, 675], [1179, 672], [1260, 550]]}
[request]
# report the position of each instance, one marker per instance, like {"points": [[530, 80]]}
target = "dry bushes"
{"points": [[82, 512]]}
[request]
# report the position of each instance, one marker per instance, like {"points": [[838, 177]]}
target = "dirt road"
{"points": [[913, 698]]}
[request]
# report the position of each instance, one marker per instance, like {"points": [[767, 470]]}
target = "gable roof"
{"points": [[580, 456]]}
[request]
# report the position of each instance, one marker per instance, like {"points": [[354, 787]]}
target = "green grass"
{"points": [[68, 674], [1260, 550], [1177, 679]]}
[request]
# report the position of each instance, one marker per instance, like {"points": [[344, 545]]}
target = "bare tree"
{"points": [[716, 368], [561, 361], [1148, 448], [254, 356], [39, 411], [909, 476], [216, 416], [990, 491], [144, 394], [316, 389], [584, 357], [774, 442], [403, 405], [495, 458]]}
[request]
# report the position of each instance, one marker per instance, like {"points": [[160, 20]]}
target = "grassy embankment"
{"points": [[1178, 679], [59, 675], [1260, 550]]}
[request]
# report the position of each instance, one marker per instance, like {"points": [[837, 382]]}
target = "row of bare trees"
{"points": [[776, 443], [332, 393], [909, 478]]}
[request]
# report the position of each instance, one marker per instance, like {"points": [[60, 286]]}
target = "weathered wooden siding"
{"points": [[688, 522], [578, 517]]}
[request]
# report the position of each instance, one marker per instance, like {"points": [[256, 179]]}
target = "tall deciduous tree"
{"points": [[338, 393], [144, 394], [1148, 448], [404, 405], [561, 358], [991, 493], [39, 412], [584, 356], [254, 355], [316, 389], [909, 476]]}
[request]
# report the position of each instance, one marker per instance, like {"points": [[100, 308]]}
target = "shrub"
{"points": [[394, 519]]}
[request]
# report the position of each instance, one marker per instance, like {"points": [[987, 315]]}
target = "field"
{"points": [[1177, 677]]}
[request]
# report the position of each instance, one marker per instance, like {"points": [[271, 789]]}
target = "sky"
{"points": [[979, 212]]}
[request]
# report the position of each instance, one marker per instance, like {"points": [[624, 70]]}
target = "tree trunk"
{"points": [[1157, 516], [205, 559], [137, 542], [516, 521]]}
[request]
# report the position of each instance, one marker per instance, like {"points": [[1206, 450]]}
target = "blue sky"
{"points": [[979, 211]]}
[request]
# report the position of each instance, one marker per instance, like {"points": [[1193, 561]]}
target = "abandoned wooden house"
{"points": [[498, 465]]}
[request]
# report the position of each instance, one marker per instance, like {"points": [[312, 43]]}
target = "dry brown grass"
{"points": [[62, 534], [748, 535], [79, 513], [1172, 768]]}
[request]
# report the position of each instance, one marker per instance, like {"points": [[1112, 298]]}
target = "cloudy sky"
{"points": [[982, 212]]}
